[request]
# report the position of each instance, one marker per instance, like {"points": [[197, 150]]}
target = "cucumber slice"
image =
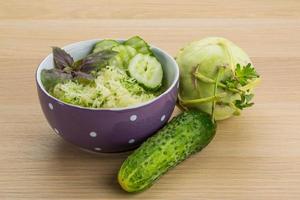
{"points": [[146, 70], [139, 44], [105, 44], [122, 59]]}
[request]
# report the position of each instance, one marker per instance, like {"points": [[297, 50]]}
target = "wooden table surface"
{"points": [[254, 156]]}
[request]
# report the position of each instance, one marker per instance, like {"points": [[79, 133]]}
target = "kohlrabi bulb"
{"points": [[201, 62]]}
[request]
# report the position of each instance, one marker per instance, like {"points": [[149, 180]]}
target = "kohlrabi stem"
{"points": [[202, 100], [227, 49], [251, 85], [206, 79], [203, 78], [220, 71], [237, 111]]}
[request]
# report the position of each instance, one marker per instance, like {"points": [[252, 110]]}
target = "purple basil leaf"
{"points": [[50, 77], [82, 77], [68, 70], [77, 65], [96, 60], [61, 58]]}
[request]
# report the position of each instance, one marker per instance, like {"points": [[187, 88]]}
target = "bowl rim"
{"points": [[70, 45]]}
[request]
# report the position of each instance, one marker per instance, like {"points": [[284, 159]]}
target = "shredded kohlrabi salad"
{"points": [[112, 89], [113, 75]]}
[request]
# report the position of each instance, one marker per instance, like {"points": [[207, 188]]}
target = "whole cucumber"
{"points": [[184, 135]]}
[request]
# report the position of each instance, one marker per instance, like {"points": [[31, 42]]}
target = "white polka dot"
{"points": [[133, 118], [97, 149], [131, 141], [50, 106], [56, 131], [163, 118], [93, 134]]}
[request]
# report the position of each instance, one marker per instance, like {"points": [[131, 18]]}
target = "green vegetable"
{"points": [[146, 70], [95, 61], [186, 134], [66, 69], [112, 88], [122, 59], [139, 44], [102, 79], [200, 62], [105, 45], [51, 77]]}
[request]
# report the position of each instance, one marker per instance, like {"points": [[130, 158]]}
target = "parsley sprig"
{"points": [[242, 77]]}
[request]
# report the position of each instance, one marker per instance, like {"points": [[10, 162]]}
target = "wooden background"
{"points": [[255, 156]]}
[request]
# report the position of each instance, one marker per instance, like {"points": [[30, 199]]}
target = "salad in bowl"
{"points": [[107, 95], [113, 75]]}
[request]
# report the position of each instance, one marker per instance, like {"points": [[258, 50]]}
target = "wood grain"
{"points": [[254, 156]]}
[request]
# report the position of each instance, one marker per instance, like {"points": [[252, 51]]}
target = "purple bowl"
{"points": [[109, 130]]}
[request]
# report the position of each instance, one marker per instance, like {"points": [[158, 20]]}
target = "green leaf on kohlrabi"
{"points": [[242, 76], [245, 74], [245, 101]]}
